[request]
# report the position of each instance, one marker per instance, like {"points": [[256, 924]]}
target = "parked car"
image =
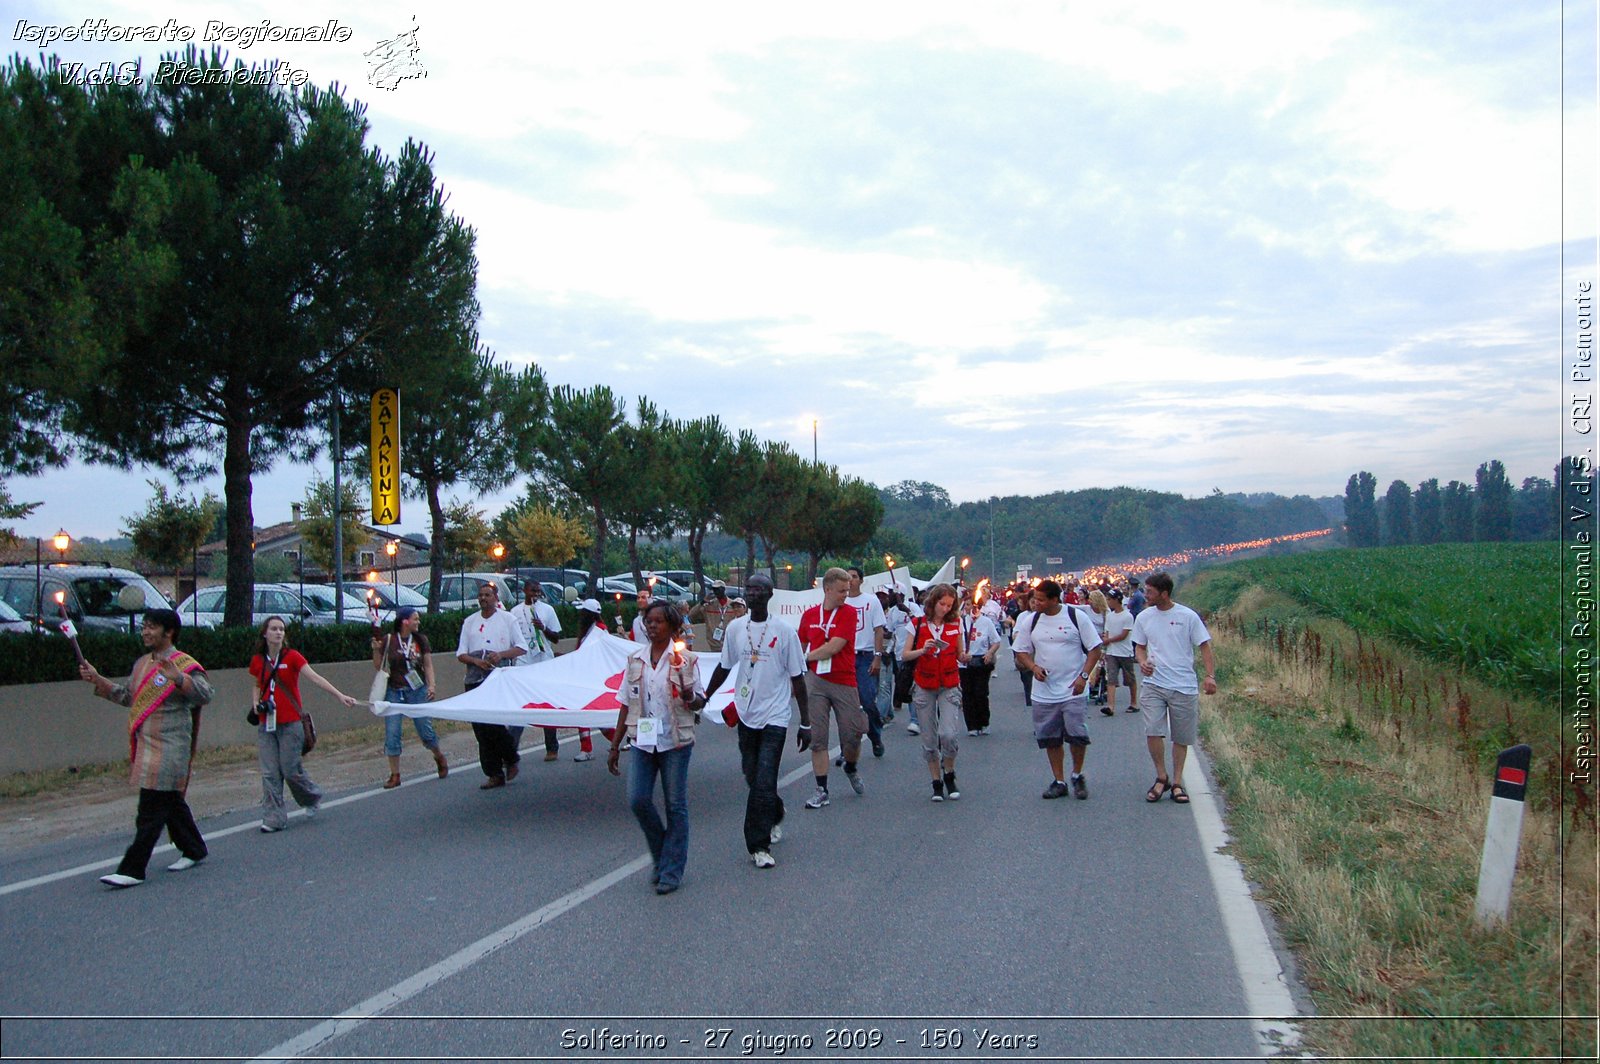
{"points": [[663, 588], [459, 591], [387, 599], [576, 579], [12, 621], [685, 578], [310, 604], [93, 594]]}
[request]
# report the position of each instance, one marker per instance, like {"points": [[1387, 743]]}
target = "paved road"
{"points": [[442, 920]]}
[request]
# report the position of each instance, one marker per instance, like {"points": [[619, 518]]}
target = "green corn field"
{"points": [[1493, 608]]}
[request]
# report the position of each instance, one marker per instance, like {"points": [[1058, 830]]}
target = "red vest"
{"points": [[938, 669]]}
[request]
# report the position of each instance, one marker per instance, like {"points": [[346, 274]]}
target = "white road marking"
{"points": [[316, 1037], [254, 825], [1266, 988]]}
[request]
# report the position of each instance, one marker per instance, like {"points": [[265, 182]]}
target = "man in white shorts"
{"points": [[1164, 637]]}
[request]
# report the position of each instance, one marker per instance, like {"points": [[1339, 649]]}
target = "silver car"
{"points": [[459, 591], [312, 604]]}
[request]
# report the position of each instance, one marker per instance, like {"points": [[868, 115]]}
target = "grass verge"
{"points": [[1357, 779]]}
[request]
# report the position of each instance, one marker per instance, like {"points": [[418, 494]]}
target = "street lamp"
{"points": [[392, 549], [813, 441], [60, 541]]}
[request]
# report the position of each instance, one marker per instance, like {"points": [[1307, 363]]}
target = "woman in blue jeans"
{"points": [[661, 700], [405, 655]]}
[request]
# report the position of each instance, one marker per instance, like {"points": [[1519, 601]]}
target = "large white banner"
{"points": [[576, 690], [791, 604]]}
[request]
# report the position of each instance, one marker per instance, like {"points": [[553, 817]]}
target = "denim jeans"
{"points": [[760, 750], [669, 842], [423, 725], [867, 687]]}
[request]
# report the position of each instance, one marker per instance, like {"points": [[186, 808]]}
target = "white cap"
{"points": [[590, 606]]}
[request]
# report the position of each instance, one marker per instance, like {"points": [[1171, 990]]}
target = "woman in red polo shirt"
{"points": [[936, 644]]}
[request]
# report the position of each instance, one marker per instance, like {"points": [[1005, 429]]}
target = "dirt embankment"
{"points": [[102, 803]]}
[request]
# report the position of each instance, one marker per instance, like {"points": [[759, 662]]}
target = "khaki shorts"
{"points": [[845, 701], [1164, 710]]}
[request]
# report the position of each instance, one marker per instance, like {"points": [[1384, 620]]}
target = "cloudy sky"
{"points": [[1006, 248]]}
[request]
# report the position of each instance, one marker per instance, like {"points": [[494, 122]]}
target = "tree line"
{"points": [[1084, 527], [211, 277], [1488, 510]]}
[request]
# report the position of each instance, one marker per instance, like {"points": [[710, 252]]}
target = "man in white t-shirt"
{"points": [[1165, 635], [763, 654], [542, 629], [1058, 645], [539, 624], [1120, 666], [870, 630], [490, 639]]}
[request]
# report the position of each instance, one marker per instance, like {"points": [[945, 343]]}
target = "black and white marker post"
{"points": [[1503, 835]]}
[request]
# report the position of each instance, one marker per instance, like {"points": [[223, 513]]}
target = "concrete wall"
{"points": [[57, 725]]}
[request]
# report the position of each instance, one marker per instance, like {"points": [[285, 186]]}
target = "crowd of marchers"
{"points": [[855, 663]]}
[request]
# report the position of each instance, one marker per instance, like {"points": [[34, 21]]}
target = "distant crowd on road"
{"points": [[855, 662]]}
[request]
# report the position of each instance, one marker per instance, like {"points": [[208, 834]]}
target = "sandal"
{"points": [[1158, 790], [392, 782], [1179, 795]]}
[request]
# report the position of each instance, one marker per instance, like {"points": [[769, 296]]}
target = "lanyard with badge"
{"points": [[741, 695], [408, 652], [825, 626], [655, 694]]}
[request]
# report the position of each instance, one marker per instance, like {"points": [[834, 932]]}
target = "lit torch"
{"points": [[674, 689], [979, 592], [67, 628]]}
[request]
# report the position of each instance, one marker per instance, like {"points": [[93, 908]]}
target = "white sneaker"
{"points": [[763, 859], [818, 800], [183, 864], [777, 834], [117, 881], [972, 731], [311, 810], [912, 729], [584, 755], [268, 829]]}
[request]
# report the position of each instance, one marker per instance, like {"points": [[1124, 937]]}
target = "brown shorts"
{"points": [[845, 701]]}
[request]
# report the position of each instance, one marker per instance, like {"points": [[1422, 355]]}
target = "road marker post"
{"points": [[1503, 836]]}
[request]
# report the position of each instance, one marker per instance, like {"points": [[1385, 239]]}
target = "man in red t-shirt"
{"points": [[828, 636]]}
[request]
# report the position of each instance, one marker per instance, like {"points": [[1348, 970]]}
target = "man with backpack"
{"points": [[1058, 646]]}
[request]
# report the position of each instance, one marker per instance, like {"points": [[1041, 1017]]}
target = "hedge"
{"points": [[47, 659]]}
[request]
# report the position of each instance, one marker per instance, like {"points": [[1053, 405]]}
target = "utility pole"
{"points": [[338, 512]]}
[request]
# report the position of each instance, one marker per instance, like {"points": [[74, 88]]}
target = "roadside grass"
{"points": [[62, 780], [1357, 779]]}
